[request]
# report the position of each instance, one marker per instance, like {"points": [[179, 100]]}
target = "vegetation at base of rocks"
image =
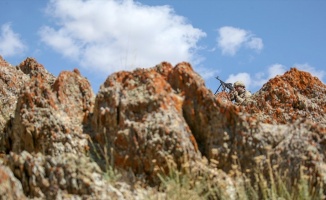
{"points": [[100, 155], [177, 185], [267, 183], [278, 187], [185, 186]]}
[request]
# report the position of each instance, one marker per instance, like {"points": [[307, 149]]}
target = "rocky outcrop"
{"points": [[295, 105], [213, 123], [287, 148], [12, 80], [138, 116], [50, 112], [283, 124], [32, 68], [75, 96], [66, 175], [286, 98], [58, 138]]}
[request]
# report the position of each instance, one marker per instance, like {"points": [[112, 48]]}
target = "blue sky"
{"points": [[251, 40]]}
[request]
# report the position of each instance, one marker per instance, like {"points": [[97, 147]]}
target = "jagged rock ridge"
{"points": [[145, 120]]}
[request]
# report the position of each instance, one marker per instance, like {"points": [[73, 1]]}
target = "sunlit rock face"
{"points": [[283, 125], [139, 116], [12, 80], [57, 136], [285, 98], [49, 112], [50, 177]]}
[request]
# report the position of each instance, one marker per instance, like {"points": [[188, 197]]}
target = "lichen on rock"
{"points": [[59, 139]]}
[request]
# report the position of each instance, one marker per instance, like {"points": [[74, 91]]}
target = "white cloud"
{"points": [[306, 67], [231, 39], [261, 78], [244, 77], [60, 41], [276, 69], [10, 42], [255, 43], [120, 34], [207, 73]]}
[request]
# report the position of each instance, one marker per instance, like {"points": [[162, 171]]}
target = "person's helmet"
{"points": [[239, 83]]}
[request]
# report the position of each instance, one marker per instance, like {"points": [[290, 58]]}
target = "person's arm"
{"points": [[233, 95], [238, 99], [246, 96]]}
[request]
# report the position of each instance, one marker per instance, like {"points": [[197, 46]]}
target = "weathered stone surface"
{"points": [[10, 187], [212, 122], [145, 121], [75, 96], [294, 95], [3, 62], [50, 113], [286, 147], [66, 176], [139, 117], [32, 68], [12, 80], [283, 125]]}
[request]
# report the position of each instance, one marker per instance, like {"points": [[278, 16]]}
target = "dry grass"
{"points": [[263, 182], [271, 185], [101, 156]]}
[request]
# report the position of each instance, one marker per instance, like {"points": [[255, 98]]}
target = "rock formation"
{"points": [[12, 80], [47, 119], [58, 137], [294, 95]]}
